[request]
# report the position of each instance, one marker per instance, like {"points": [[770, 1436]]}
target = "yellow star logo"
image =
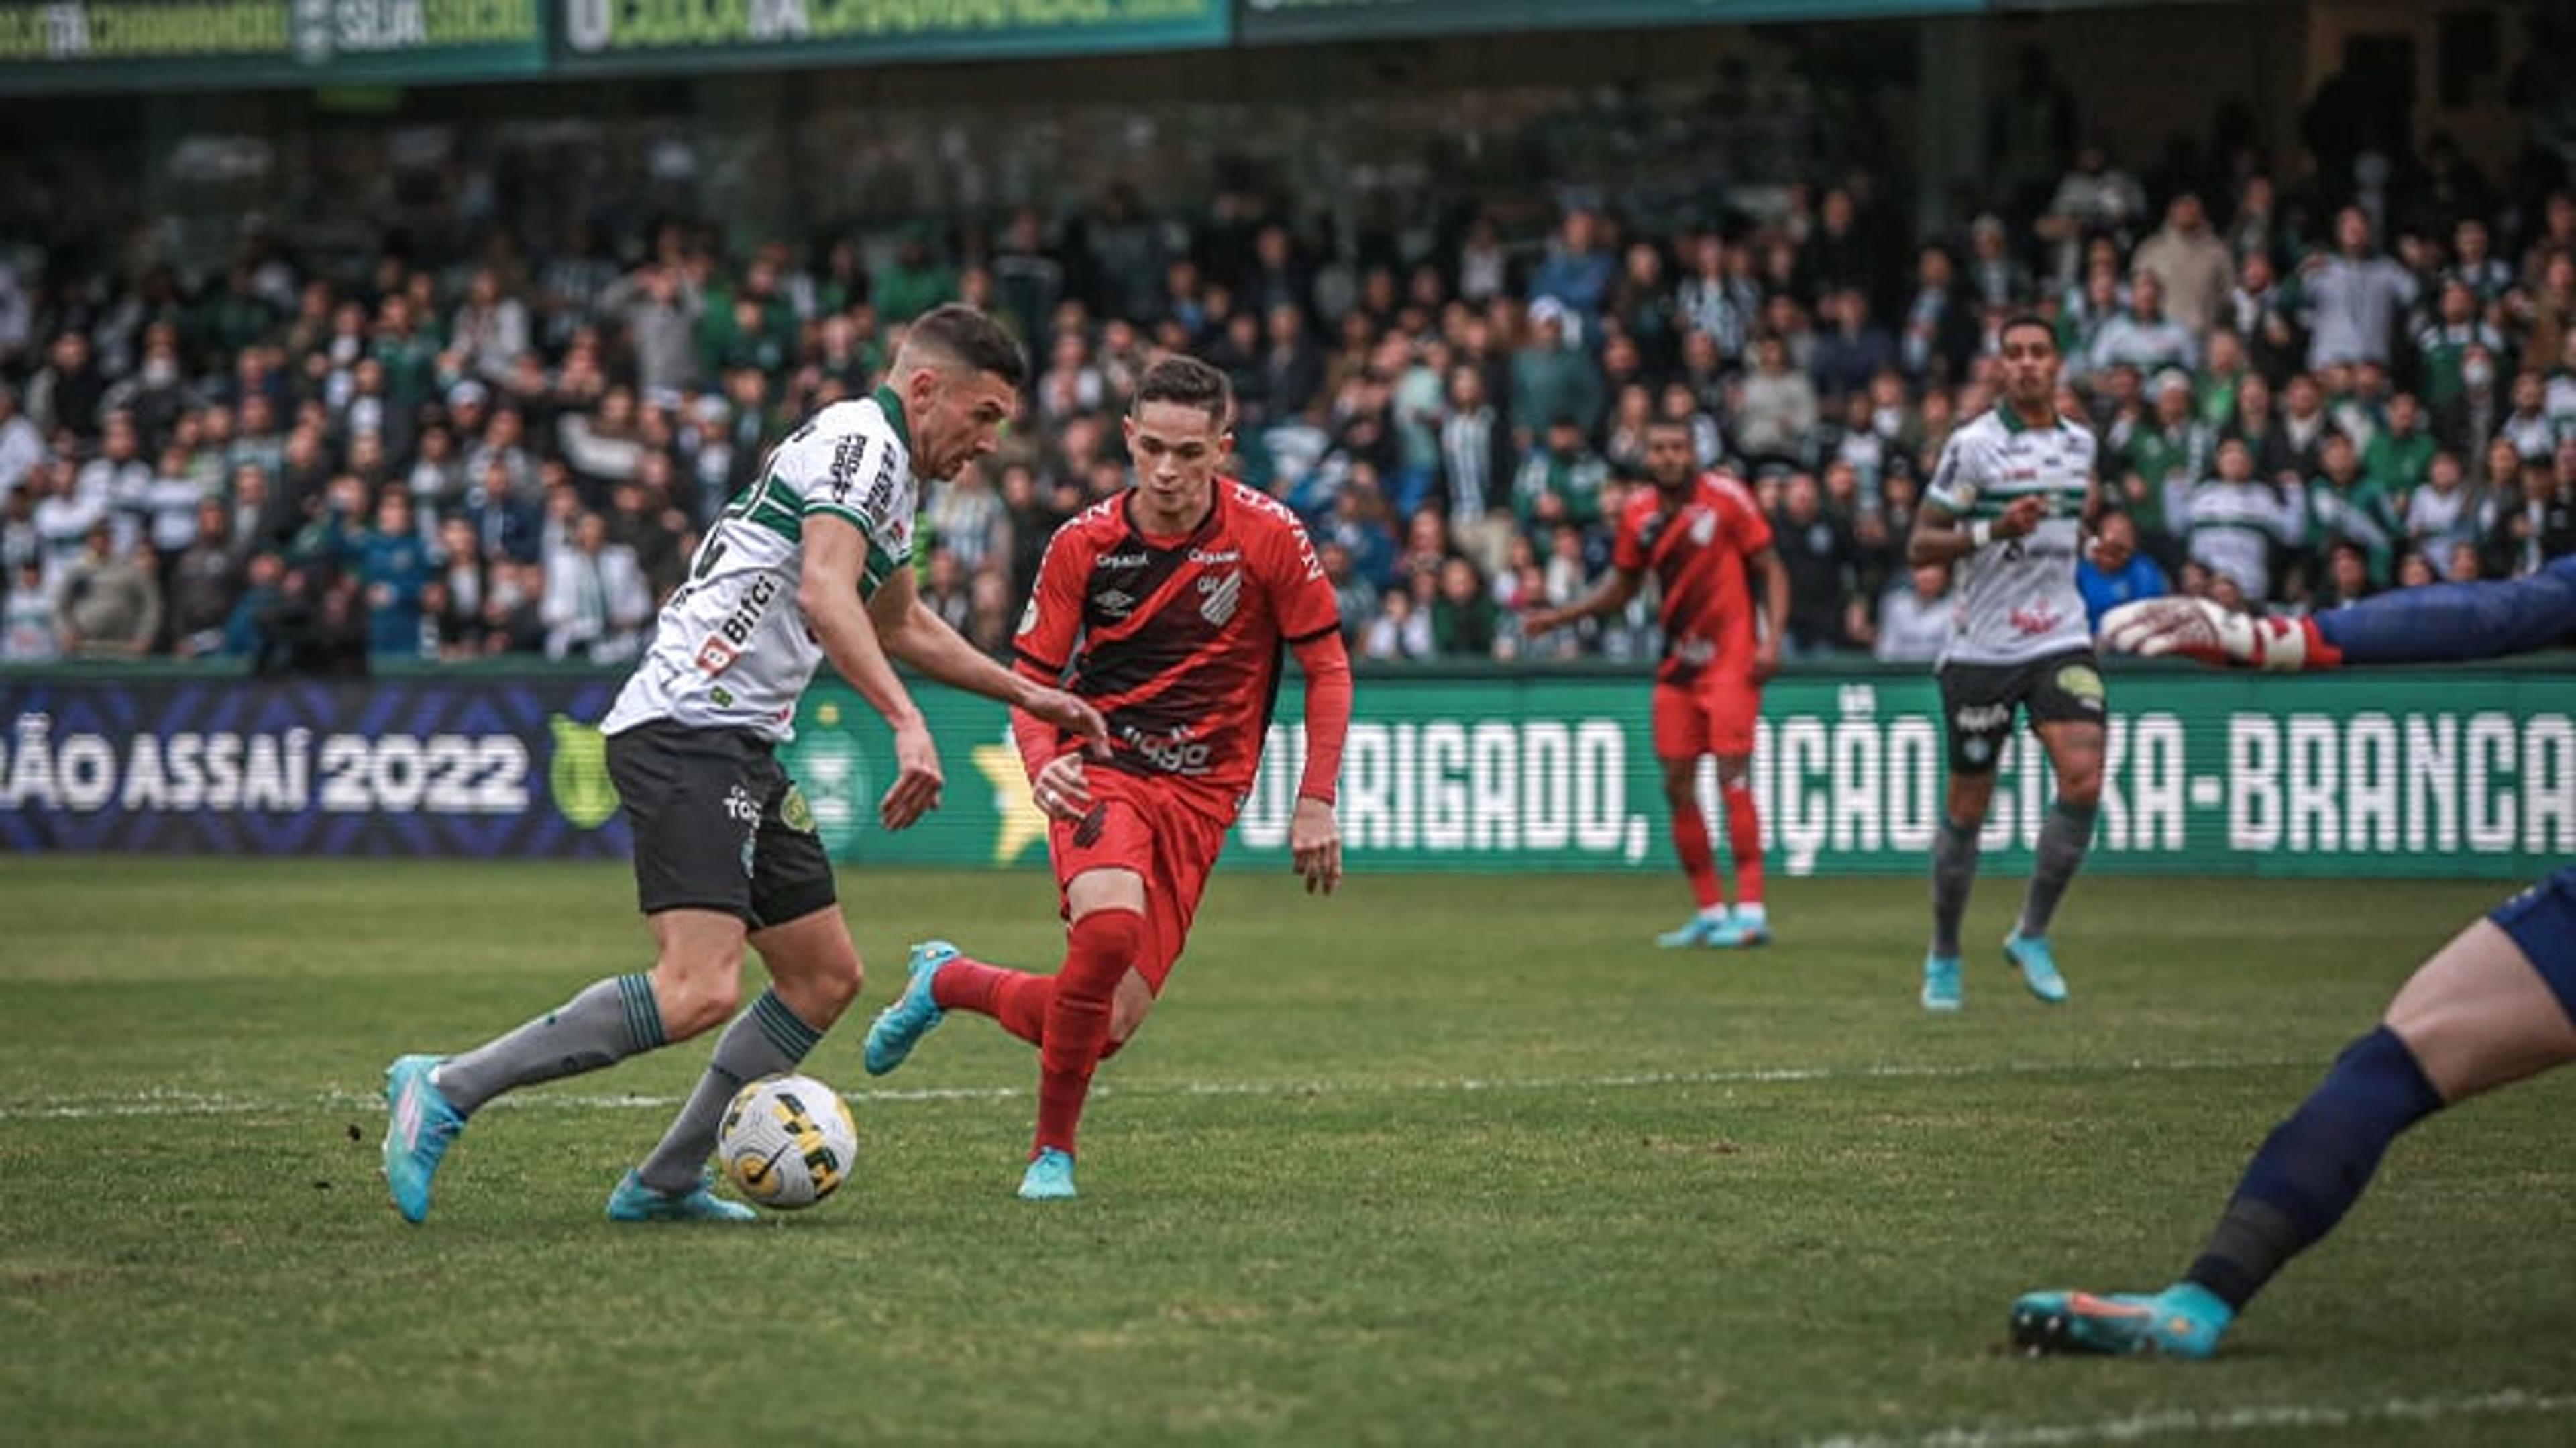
{"points": [[1022, 823]]}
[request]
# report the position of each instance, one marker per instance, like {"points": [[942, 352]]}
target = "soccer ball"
{"points": [[787, 1142]]}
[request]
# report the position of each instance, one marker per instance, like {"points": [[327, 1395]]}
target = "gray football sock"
{"points": [[1954, 869], [2062, 843], [767, 1040], [610, 1020]]}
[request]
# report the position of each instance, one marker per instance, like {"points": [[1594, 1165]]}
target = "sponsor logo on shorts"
{"points": [[740, 807], [1981, 718], [794, 813], [2081, 681]]}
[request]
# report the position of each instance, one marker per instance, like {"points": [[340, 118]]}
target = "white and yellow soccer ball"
{"points": [[788, 1142]]}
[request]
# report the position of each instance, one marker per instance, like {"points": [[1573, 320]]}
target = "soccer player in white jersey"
{"points": [[2012, 502], [812, 562]]}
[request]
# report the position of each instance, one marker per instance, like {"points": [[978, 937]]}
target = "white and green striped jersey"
{"points": [[2016, 596], [731, 649]]}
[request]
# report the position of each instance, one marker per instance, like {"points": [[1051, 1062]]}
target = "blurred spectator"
{"points": [[2114, 572], [2240, 522], [27, 617], [2355, 294], [108, 603], [1562, 481], [1914, 617], [206, 581], [1821, 557], [2190, 264], [595, 599], [2441, 514]]}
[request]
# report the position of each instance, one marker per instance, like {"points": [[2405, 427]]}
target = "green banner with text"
{"points": [[1266, 21], [77, 45], [2451, 773], [641, 35]]}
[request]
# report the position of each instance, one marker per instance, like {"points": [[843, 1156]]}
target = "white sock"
{"points": [[1750, 914], [1714, 914]]}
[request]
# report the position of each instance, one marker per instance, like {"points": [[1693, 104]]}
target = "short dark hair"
{"points": [[1188, 382], [2019, 320], [975, 340]]}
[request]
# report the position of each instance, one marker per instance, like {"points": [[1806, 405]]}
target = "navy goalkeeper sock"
{"points": [[2313, 1167]]}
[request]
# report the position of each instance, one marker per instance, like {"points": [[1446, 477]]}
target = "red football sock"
{"points": [[1015, 998], [1744, 838], [1102, 950], [1699, 861]]}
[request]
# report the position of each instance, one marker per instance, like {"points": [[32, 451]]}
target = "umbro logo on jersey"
{"points": [[1222, 596], [1114, 604]]}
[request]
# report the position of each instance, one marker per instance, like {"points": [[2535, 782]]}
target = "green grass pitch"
{"points": [[1439, 1161]]}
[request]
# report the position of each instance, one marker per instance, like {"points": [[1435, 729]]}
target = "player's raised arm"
{"points": [[1610, 595], [828, 593], [2438, 623], [922, 639]]}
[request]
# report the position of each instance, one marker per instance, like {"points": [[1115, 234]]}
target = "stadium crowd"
{"points": [[2306, 393]]}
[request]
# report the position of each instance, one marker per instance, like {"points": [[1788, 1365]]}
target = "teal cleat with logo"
{"points": [[419, 1124], [899, 1027], [1740, 933], [635, 1202], [1049, 1177], [1698, 931], [2185, 1320], [2031, 956], [1940, 982]]}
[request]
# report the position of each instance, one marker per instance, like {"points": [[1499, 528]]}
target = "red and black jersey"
{"points": [[1697, 549], [1176, 641]]}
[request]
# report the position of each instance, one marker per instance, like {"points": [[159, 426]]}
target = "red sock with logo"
{"points": [[1102, 950], [1744, 839], [1699, 860], [1015, 998]]}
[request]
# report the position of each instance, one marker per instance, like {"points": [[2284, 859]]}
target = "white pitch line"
{"points": [[172, 1102], [2139, 1427]]}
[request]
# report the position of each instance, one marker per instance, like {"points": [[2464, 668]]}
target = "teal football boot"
{"points": [[1698, 931], [899, 1027], [2183, 1321], [2038, 966], [635, 1202], [418, 1126], [1741, 932], [1940, 982], [1049, 1177]]}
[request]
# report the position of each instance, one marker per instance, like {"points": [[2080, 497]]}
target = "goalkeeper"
{"points": [[2497, 1004]]}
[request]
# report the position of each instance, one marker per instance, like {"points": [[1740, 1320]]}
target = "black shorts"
{"points": [[717, 824], [1978, 700]]}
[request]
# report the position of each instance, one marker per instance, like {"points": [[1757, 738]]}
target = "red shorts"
{"points": [[1134, 825], [1712, 714]]}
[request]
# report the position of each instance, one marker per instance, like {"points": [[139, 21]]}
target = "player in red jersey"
{"points": [[1701, 536], [1165, 607]]}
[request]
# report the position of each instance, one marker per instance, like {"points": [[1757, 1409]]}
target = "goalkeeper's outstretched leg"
{"points": [[2495, 1005]]}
